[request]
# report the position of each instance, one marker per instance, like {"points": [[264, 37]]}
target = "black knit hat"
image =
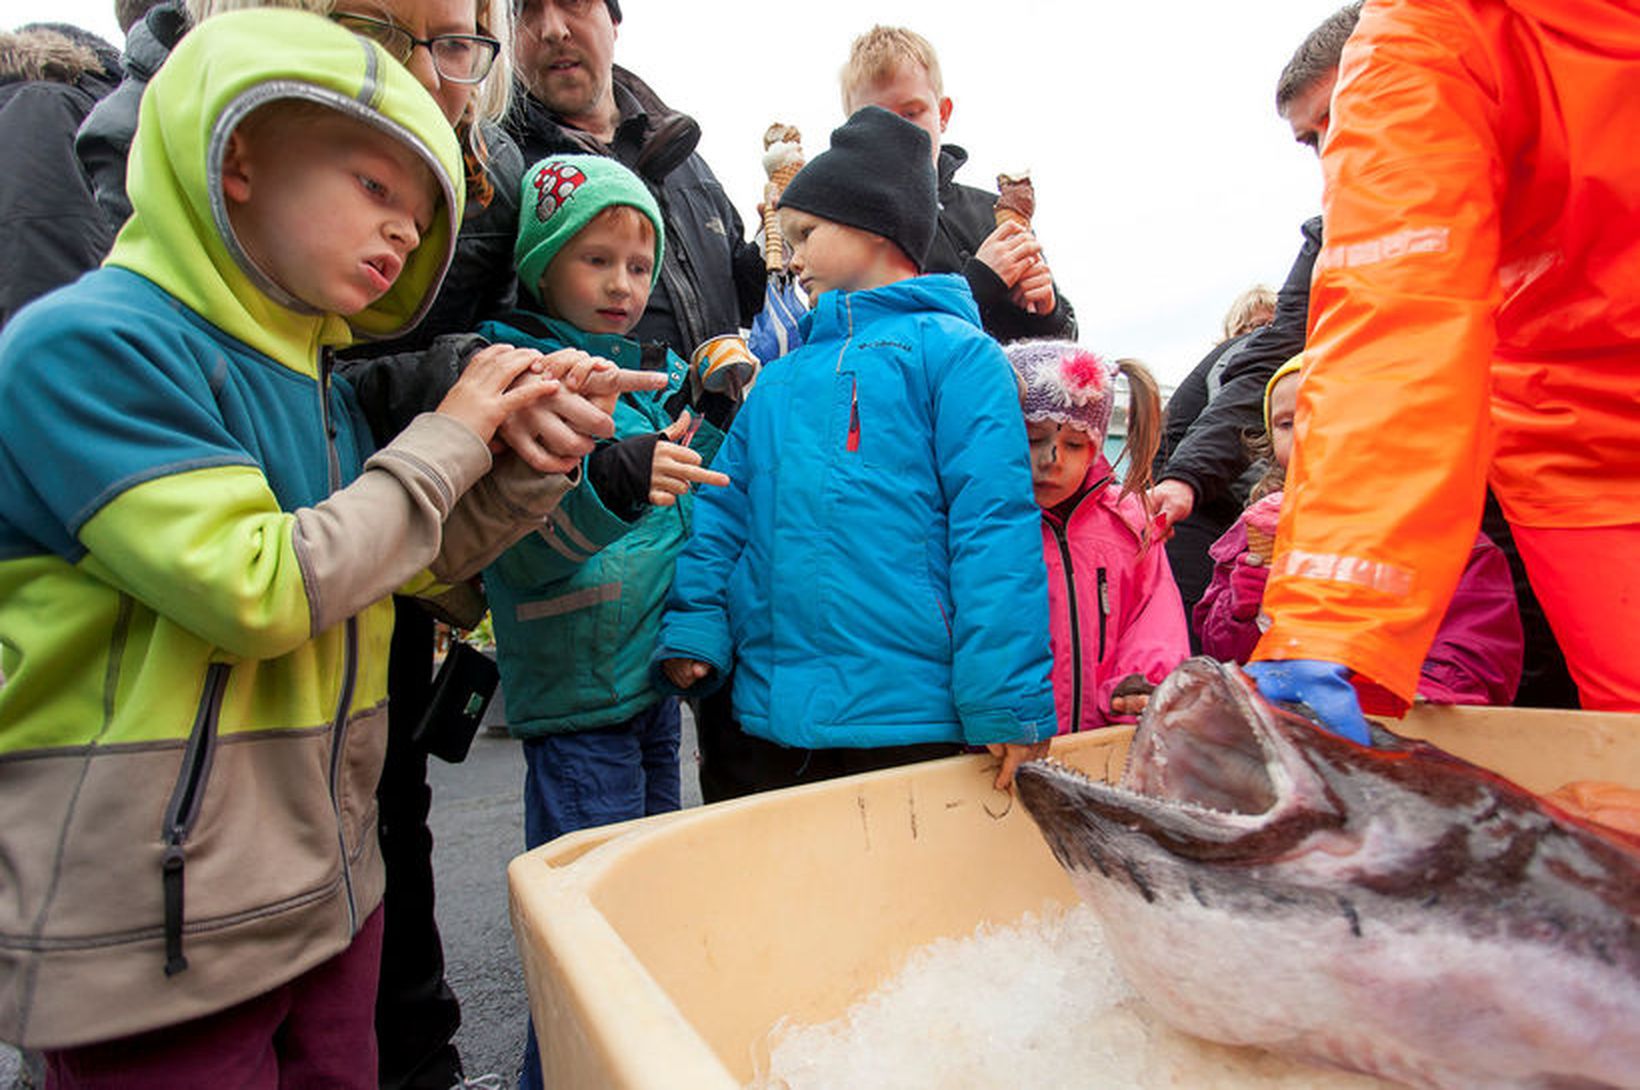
{"points": [[878, 175]]}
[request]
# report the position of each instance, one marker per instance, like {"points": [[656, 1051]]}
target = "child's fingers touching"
{"points": [[679, 428]]}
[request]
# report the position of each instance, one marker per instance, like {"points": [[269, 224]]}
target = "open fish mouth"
{"points": [[1214, 772]]}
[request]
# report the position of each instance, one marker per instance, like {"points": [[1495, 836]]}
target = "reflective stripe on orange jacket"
{"points": [[1475, 311]]}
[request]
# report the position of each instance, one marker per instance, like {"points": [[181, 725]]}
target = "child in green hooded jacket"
{"points": [[196, 550]]}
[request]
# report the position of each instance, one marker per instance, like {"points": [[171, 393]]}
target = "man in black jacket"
{"points": [[897, 69], [574, 98], [50, 230]]}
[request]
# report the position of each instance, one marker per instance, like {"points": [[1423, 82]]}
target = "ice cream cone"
{"points": [[782, 159], [1260, 545], [1016, 199], [1008, 215]]}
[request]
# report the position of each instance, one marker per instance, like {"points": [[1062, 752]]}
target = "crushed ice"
{"points": [[1040, 1003]]}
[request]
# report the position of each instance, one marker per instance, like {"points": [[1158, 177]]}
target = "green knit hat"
{"points": [[560, 195]]}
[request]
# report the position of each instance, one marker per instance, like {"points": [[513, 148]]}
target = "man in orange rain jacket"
{"points": [[1475, 312]]}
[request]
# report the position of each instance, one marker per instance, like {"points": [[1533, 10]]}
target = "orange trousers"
{"points": [[1588, 580]]}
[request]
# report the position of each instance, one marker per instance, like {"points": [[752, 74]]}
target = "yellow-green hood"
{"points": [[179, 235]]}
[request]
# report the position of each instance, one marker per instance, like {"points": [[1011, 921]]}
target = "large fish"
{"points": [[1392, 910]]}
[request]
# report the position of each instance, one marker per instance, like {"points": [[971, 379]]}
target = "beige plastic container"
{"points": [[659, 953]]}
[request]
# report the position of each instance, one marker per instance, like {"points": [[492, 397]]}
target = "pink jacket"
{"points": [[1115, 610], [1476, 656]]}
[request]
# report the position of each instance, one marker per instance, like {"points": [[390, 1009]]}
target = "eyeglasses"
{"points": [[459, 58]]}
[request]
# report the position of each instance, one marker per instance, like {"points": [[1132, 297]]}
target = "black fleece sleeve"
{"points": [[1212, 454], [619, 472], [393, 390]]}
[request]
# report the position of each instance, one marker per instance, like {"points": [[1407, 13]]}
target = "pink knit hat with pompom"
{"points": [[1065, 383]]}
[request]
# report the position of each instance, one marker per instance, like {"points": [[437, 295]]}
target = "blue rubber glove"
{"points": [[1324, 686], [774, 329]]}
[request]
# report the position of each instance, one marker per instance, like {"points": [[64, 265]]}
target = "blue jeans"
{"points": [[596, 777]]}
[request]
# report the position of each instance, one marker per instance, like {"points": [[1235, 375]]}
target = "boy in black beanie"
{"points": [[873, 574]]}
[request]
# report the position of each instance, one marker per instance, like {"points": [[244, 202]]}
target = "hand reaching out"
{"points": [[676, 468], [497, 382], [553, 433]]}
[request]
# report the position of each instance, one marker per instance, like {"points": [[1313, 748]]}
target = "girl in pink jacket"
{"points": [[1118, 625]]}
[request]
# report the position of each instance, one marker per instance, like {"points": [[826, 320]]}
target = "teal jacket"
{"points": [[577, 605], [196, 548]]}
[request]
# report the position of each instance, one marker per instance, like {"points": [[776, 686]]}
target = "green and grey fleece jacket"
{"points": [[196, 545]]}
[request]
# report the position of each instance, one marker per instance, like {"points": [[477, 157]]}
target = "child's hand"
{"points": [[1010, 251], [1131, 695], [684, 672], [1247, 588], [676, 468], [498, 381], [1013, 755]]}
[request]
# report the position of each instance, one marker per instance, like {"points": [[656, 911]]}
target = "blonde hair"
{"points": [[493, 17], [1144, 437], [1251, 309], [879, 51]]}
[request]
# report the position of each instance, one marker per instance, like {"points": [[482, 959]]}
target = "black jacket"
{"points": [[1213, 454], [966, 219], [50, 230], [104, 141], [711, 279]]}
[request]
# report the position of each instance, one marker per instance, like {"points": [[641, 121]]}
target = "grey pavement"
{"points": [[478, 826]]}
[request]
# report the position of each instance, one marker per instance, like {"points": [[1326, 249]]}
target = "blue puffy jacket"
{"points": [[874, 573]]}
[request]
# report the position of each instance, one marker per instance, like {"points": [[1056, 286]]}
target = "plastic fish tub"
{"points": [[659, 953]]}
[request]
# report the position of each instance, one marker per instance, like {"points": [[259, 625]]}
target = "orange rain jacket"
{"points": [[1475, 311]]}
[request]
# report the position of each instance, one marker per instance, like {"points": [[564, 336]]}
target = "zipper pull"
{"points": [[854, 415], [171, 879]]}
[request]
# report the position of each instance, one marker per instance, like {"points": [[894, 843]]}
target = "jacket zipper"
{"points": [[1063, 541], [183, 810], [1104, 609], [338, 725], [852, 443], [1061, 534]]}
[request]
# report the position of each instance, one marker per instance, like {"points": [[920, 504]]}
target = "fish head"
{"points": [[1215, 773]]}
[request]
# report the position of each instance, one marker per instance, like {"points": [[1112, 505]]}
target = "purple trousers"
{"points": [[315, 1031]]}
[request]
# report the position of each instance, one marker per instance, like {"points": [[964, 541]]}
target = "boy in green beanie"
{"points": [[577, 606]]}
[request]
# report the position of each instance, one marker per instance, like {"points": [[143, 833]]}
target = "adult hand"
{"points": [[553, 433], [1034, 293], [497, 382], [1013, 755], [1173, 500], [676, 468], [1010, 251], [1247, 588], [1323, 686]]}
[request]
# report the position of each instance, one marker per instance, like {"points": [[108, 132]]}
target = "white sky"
{"points": [[1165, 182]]}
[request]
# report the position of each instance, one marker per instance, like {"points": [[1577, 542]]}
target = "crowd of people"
{"points": [[324, 324]]}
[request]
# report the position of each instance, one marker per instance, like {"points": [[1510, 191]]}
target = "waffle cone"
{"points": [[782, 178], [1008, 215], [774, 243], [1260, 543]]}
